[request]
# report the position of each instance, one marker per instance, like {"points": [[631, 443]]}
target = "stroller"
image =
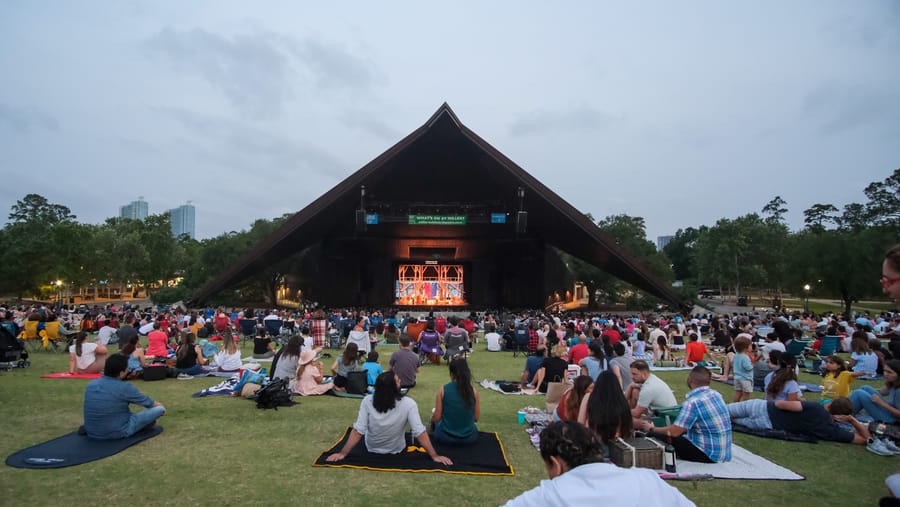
{"points": [[12, 352]]}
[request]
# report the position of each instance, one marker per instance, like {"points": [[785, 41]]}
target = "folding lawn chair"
{"points": [[521, 341], [247, 329], [829, 347], [273, 327]]}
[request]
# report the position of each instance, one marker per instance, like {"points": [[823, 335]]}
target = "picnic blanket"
{"points": [[223, 388], [75, 449], [485, 457], [743, 465], [65, 374], [493, 385]]}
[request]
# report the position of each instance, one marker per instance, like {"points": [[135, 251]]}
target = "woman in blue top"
{"points": [[781, 384], [863, 362], [457, 408]]}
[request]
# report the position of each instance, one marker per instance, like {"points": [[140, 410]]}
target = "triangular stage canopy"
{"points": [[440, 196]]}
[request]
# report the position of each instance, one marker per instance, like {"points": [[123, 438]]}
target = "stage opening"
{"points": [[429, 285]]}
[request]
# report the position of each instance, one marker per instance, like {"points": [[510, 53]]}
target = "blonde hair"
{"points": [[559, 350]]}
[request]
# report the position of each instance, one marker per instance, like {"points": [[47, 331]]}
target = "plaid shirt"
{"points": [[705, 417]]}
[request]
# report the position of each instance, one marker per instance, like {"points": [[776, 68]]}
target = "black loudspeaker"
{"points": [[360, 220], [521, 222]]}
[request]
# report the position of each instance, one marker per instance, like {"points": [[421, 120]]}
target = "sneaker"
{"points": [[184, 376], [889, 445], [877, 446]]}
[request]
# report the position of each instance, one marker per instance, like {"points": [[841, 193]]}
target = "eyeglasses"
{"points": [[888, 282]]}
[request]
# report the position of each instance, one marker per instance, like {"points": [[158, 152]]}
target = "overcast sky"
{"points": [[678, 112]]}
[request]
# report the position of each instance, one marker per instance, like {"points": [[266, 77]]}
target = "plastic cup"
{"points": [[521, 415]]}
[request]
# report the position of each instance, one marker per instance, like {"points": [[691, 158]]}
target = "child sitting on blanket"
{"points": [[372, 367]]}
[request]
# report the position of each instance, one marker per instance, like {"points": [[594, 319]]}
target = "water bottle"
{"points": [[669, 458]]}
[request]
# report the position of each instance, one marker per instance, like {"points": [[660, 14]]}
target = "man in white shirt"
{"points": [[492, 338], [647, 392], [573, 456]]}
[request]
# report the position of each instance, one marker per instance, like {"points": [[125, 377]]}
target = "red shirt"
{"points": [[157, 344], [578, 352], [614, 336], [695, 351], [440, 325]]}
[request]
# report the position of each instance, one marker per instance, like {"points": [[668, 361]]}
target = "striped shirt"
{"points": [[705, 417]]}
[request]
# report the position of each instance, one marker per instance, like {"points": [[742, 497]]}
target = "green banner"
{"points": [[437, 220]]}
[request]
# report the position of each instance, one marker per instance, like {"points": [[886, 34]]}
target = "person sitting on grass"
{"points": [[349, 361], [702, 430], [647, 392], [372, 367], [553, 368], [570, 403], [106, 404], [606, 411], [135, 354], [405, 363], [696, 351], [263, 346], [382, 420], [837, 380], [308, 381], [457, 408], [286, 360], [863, 362], [573, 456], [595, 363], [781, 384], [189, 358], [86, 357], [229, 358], [882, 404]]}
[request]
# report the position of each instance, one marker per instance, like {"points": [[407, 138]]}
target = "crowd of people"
{"points": [[613, 395]]}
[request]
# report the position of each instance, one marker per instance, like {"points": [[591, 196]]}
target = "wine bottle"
{"points": [[669, 458]]}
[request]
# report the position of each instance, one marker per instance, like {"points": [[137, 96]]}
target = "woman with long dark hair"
{"points": [[189, 358], [606, 411], [86, 357], [382, 420], [348, 362], [135, 354], [457, 407], [286, 360]]}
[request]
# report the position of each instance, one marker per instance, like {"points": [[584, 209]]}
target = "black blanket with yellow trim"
{"points": [[485, 457]]}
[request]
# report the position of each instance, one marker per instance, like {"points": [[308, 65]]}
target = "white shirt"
{"points": [[602, 484], [105, 334], [88, 355], [385, 432], [229, 362], [769, 347], [493, 342], [146, 328]]}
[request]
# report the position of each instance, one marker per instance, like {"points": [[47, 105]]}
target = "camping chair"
{"points": [[247, 330], [796, 347], [51, 339], [221, 324], [30, 335], [829, 347], [273, 327], [521, 341], [430, 348]]}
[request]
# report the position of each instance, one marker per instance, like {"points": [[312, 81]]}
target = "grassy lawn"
{"points": [[224, 451], [820, 307]]}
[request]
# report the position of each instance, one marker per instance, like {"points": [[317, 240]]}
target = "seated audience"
{"points": [[863, 362], [405, 363], [372, 367], [553, 368], [595, 363], [782, 384], [606, 411], [263, 346], [229, 358], [286, 360], [647, 392], [106, 404], [308, 380], [702, 430], [570, 403], [573, 457], [86, 357], [457, 408], [882, 404], [189, 358], [430, 343], [620, 365], [135, 354], [348, 362], [382, 421]]}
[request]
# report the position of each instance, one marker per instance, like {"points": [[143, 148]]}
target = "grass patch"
{"points": [[225, 451]]}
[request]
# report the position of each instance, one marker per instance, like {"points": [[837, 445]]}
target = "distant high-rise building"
{"points": [[662, 241], [183, 221], [135, 210]]}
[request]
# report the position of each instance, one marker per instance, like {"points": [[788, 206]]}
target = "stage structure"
{"points": [[430, 284], [440, 219]]}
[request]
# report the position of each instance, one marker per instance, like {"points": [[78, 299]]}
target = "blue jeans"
{"points": [[862, 399], [141, 419], [193, 370], [753, 414]]}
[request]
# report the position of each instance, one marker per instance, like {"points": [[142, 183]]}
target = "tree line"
{"points": [[838, 251]]}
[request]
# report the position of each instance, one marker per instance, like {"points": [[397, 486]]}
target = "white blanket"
{"points": [[743, 465]]}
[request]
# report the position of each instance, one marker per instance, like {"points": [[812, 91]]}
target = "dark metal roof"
{"points": [[443, 135]]}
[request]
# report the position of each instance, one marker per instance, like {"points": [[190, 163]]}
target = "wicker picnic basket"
{"points": [[640, 452]]}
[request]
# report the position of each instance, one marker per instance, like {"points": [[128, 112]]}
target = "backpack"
{"points": [[274, 394]]}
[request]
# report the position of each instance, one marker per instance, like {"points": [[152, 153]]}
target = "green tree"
{"points": [[36, 208]]}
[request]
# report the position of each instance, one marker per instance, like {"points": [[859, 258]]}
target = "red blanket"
{"points": [[65, 374]]}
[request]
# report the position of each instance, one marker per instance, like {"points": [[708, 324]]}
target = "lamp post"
{"points": [[806, 301], [58, 284]]}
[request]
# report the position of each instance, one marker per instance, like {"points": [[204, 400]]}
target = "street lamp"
{"points": [[58, 284], [806, 302]]}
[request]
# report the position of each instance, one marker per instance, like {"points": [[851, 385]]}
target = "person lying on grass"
{"points": [[801, 418], [383, 417]]}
